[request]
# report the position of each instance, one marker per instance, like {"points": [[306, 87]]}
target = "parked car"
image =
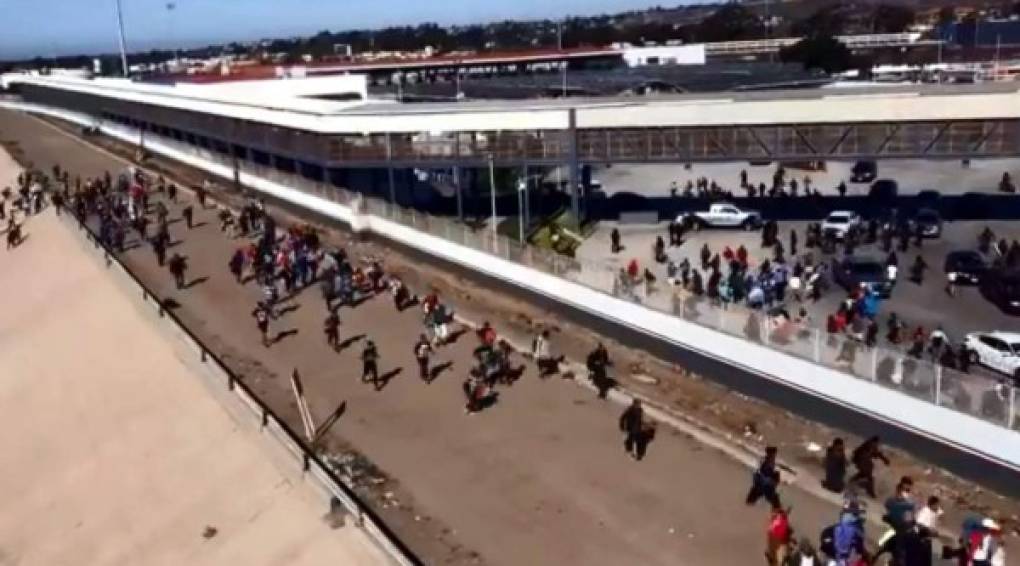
{"points": [[929, 221], [884, 189], [863, 172], [723, 215], [996, 350], [853, 271], [1002, 288], [965, 267], [839, 222]]}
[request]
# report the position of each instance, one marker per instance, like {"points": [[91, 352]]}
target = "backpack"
{"points": [[845, 539]]}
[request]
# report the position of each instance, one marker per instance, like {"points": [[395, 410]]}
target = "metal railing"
{"points": [[269, 422], [893, 369]]}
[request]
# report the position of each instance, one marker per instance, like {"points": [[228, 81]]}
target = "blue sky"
{"points": [[60, 27]]}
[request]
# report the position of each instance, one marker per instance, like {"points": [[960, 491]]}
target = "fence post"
{"points": [[1011, 419], [938, 384], [874, 363]]}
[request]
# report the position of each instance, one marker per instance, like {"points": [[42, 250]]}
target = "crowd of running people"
{"points": [[296, 258]]}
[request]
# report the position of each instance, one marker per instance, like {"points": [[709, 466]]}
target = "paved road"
{"points": [[541, 478]]}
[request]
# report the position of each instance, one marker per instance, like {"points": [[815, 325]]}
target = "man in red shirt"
{"points": [[778, 536]]}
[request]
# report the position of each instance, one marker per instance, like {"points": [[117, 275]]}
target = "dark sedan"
{"points": [[965, 267], [929, 221], [853, 271]]}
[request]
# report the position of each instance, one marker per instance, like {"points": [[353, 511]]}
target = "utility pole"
{"points": [[120, 37], [559, 41], [492, 191]]}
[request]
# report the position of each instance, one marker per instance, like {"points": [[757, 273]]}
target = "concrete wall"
{"points": [[955, 431]]}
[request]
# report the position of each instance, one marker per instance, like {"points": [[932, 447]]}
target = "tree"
{"points": [[822, 52], [891, 18], [730, 23]]}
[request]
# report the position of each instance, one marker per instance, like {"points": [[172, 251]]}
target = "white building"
{"points": [[664, 55]]}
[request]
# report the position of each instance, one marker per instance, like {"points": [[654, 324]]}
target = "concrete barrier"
{"points": [[956, 431]]}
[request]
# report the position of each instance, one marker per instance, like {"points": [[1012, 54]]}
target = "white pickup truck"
{"points": [[723, 215]]}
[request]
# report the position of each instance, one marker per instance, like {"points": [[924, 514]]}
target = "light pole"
{"points": [[522, 186], [120, 37], [492, 192], [559, 36]]}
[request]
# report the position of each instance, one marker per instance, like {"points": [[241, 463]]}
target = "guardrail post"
{"points": [[938, 384], [230, 381], [265, 417], [1011, 419], [874, 363], [204, 355], [306, 461]]}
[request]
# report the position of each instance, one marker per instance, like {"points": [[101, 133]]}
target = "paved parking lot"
{"points": [[927, 305], [949, 177]]}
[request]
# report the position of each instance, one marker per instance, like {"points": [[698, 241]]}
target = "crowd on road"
{"points": [[284, 262]]}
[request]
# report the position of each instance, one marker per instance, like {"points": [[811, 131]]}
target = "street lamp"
{"points": [[522, 187], [120, 37]]}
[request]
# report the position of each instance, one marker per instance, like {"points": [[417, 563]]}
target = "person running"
{"points": [[765, 480], [597, 362], [261, 315], [835, 467], [422, 351], [778, 537], [159, 248], [236, 264], [200, 194], [864, 457], [178, 265], [632, 425], [331, 327], [188, 214], [370, 364]]}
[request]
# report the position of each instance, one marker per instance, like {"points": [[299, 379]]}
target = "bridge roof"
{"points": [[819, 106]]}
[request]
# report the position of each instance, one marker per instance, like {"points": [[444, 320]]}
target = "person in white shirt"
{"points": [[930, 515]]}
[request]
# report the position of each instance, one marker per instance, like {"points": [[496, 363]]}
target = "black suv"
{"points": [[1002, 288], [863, 172]]}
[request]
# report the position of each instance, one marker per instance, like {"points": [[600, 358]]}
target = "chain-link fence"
{"points": [[894, 369]]}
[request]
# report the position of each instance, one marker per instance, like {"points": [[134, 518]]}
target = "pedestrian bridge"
{"points": [[317, 137]]}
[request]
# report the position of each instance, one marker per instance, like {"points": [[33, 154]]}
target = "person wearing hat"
{"points": [[984, 542]]}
